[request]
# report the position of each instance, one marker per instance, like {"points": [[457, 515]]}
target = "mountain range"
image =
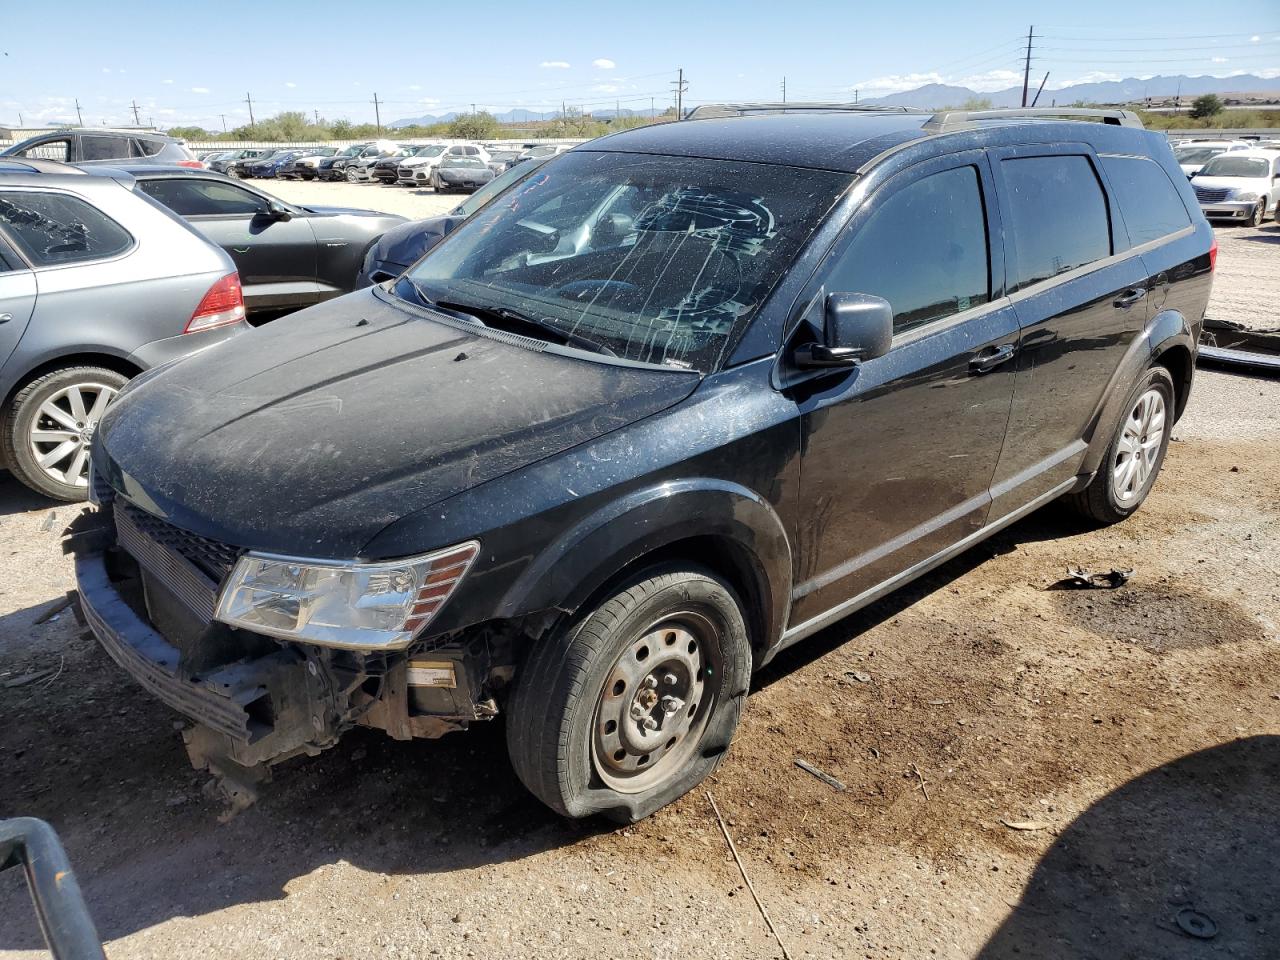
{"points": [[935, 95]]}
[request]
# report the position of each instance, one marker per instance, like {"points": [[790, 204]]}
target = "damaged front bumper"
{"points": [[254, 701]]}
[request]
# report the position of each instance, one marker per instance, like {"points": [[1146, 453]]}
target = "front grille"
{"points": [[1210, 194], [213, 558]]}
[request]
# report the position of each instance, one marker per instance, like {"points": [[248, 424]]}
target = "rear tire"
{"points": [[1135, 454], [630, 706], [46, 428]]}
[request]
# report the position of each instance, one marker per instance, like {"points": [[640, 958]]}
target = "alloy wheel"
{"points": [[63, 429], [655, 703], [1138, 448]]}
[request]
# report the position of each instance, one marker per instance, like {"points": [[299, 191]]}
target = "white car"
{"points": [[1241, 185], [416, 170], [1194, 154]]}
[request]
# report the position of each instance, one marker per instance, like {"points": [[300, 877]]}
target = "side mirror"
{"points": [[277, 211], [856, 327]]}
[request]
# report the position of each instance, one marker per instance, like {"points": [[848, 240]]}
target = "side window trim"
{"points": [[904, 178]]}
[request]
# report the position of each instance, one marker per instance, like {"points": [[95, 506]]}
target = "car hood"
{"points": [[1246, 184], [312, 434], [353, 212]]}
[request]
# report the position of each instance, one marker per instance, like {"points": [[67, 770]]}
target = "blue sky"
{"points": [[186, 63]]}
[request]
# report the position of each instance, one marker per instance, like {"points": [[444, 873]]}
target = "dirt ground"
{"points": [[1029, 772]]}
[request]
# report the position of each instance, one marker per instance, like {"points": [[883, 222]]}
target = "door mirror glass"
{"points": [[856, 327]]}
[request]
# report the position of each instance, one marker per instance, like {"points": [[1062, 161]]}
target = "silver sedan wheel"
{"points": [[655, 704], [1139, 447], [64, 427]]}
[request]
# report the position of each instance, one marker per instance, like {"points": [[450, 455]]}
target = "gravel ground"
{"points": [[1029, 772]]}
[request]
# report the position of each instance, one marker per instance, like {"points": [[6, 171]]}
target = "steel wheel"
{"points": [[1138, 448], [63, 428], [654, 704]]}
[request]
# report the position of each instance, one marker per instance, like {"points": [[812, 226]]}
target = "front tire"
{"points": [[1258, 215], [629, 707], [1135, 454], [47, 428]]}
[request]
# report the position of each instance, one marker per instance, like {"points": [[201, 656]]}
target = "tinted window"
{"points": [[53, 228], [103, 148], [49, 150], [150, 147], [1059, 217], [203, 198], [924, 250], [1149, 201]]}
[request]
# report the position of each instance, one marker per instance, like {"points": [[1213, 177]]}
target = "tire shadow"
{"points": [[1196, 839]]}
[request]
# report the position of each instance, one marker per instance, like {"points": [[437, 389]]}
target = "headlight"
{"points": [[1245, 195], [376, 606]]}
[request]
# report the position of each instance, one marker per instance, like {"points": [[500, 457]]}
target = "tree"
{"points": [[474, 126], [1206, 105], [341, 129], [189, 133]]}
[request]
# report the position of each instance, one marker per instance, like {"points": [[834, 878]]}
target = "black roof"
{"points": [[826, 141]]}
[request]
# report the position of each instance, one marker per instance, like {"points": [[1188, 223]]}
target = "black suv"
{"points": [[678, 400]]}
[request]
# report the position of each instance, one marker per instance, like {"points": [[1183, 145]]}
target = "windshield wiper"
{"points": [[515, 317]]}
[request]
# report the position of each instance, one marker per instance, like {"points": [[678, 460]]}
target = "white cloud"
{"points": [[290, 84], [106, 69], [606, 88], [1255, 39], [167, 82], [415, 86], [1219, 60], [896, 82], [1093, 76], [603, 63], [554, 65], [430, 101], [199, 89], [989, 81]]}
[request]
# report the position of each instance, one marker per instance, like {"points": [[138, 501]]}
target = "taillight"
{"points": [[1213, 254], [223, 304], [190, 163]]}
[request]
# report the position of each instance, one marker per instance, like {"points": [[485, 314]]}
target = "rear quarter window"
{"points": [[55, 228], [1058, 215], [1149, 202]]}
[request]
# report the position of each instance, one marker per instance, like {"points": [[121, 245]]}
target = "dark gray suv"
{"points": [[97, 283], [90, 145]]}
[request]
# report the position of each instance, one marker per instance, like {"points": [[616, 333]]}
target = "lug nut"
{"points": [[670, 679], [651, 681]]}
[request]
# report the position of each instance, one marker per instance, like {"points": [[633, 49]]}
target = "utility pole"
{"points": [[317, 115], [377, 111], [681, 86], [1026, 73], [1177, 102], [249, 100], [784, 89], [617, 109], [651, 113], [79, 118], [473, 109], [855, 96], [224, 122], [1041, 90], [136, 121]]}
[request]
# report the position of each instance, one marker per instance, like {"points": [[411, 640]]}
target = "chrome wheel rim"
{"points": [[63, 429], [1138, 449], [655, 703]]}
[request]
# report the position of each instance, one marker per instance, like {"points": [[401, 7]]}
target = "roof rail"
{"points": [[34, 165], [709, 110], [949, 120]]}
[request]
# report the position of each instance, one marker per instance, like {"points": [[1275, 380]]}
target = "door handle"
{"points": [[5, 317], [987, 359], [1130, 297]]}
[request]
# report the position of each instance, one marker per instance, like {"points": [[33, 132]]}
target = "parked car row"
{"points": [[1240, 185]]}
